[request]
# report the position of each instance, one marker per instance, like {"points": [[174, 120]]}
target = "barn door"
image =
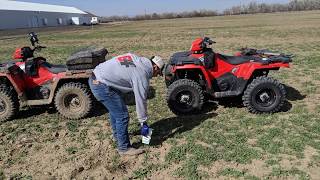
{"points": [[35, 22]]}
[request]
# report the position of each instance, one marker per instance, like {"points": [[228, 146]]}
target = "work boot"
{"points": [[131, 152]]}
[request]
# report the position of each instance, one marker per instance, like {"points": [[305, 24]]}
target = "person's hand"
{"points": [[144, 129]]}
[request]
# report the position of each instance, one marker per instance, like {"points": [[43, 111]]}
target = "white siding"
{"points": [[29, 19], [27, 6]]}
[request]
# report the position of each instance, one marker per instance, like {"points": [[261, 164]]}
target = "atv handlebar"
{"points": [[35, 42], [42, 47], [38, 48], [208, 41], [33, 38]]}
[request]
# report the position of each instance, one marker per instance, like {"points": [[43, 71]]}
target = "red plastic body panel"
{"points": [[199, 67], [221, 67], [44, 75], [197, 44], [16, 81], [17, 54]]}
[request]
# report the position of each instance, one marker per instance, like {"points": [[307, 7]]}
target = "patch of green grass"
{"points": [[279, 172], [20, 176], [192, 155], [176, 153], [311, 62], [315, 161], [18, 158], [297, 143], [269, 140], [256, 122], [146, 170], [36, 127], [72, 150], [115, 164], [309, 87], [82, 139], [272, 162], [232, 172], [228, 141], [171, 141], [203, 155], [189, 170], [9, 162], [2, 175], [299, 109], [251, 177], [240, 154], [102, 135], [73, 126], [318, 109]]}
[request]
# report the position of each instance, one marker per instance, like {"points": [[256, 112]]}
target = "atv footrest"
{"points": [[226, 94]]}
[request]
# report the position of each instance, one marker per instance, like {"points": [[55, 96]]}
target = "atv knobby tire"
{"points": [[185, 97], [9, 103], [73, 100], [264, 95]]}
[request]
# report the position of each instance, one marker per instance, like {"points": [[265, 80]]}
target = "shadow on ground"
{"points": [[231, 102], [35, 111], [292, 95], [169, 127], [98, 110], [129, 97]]}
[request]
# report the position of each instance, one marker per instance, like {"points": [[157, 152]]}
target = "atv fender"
{"points": [[15, 81], [245, 71], [64, 77], [198, 67]]}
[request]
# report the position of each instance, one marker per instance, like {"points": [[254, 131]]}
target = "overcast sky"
{"points": [[134, 7]]}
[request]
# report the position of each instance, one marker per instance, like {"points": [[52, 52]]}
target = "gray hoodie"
{"points": [[126, 73]]}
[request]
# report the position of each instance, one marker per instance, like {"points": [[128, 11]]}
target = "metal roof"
{"points": [[27, 6]]}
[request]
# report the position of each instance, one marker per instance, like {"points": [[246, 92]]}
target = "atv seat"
{"points": [[55, 69], [235, 60]]}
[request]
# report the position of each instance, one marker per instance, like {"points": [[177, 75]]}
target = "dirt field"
{"points": [[225, 142]]}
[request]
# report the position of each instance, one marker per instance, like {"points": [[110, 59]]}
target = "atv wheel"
{"points": [[264, 95], [73, 100], [9, 103], [185, 97]]}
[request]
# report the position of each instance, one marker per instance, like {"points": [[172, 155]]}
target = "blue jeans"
{"points": [[118, 112]]}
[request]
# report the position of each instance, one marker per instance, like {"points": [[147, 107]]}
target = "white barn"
{"points": [[16, 14]]}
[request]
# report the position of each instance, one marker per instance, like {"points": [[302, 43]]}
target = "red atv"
{"points": [[192, 75], [32, 81]]}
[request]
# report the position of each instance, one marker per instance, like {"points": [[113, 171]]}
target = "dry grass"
{"points": [[226, 142]]}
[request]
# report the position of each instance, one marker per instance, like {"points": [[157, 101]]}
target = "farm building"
{"points": [[16, 14]]}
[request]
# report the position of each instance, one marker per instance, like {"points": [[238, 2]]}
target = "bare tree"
{"points": [[251, 8]]}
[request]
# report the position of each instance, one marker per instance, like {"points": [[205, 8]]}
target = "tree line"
{"points": [[251, 8], [155, 16], [293, 5]]}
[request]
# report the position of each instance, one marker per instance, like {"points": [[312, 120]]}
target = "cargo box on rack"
{"points": [[87, 58]]}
